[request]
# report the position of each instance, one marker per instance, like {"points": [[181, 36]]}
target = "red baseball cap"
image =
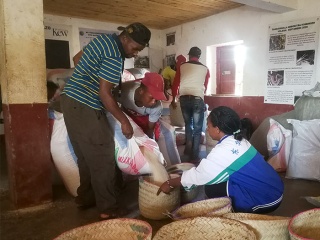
{"points": [[155, 84]]}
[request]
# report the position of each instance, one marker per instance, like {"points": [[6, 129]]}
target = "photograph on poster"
{"points": [[141, 62], [277, 42], [305, 57], [275, 78], [170, 60]]}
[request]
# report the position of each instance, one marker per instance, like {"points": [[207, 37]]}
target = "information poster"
{"points": [[87, 34], [291, 60]]}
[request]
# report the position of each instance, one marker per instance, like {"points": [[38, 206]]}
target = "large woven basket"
{"points": [[205, 228], [209, 207], [156, 207], [115, 229], [305, 225], [267, 227]]}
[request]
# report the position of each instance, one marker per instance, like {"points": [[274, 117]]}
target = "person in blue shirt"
{"points": [[233, 168], [84, 100]]}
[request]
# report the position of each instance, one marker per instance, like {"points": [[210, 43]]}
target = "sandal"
{"points": [[120, 212]]}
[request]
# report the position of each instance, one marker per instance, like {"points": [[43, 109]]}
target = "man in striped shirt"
{"points": [[86, 97]]}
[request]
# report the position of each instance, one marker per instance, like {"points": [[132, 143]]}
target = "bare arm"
{"points": [[175, 87], [111, 105], [151, 126]]}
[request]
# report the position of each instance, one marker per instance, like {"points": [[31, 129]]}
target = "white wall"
{"points": [[245, 23], [154, 49]]}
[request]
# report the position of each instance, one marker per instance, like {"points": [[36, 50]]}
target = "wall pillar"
{"points": [[24, 102]]}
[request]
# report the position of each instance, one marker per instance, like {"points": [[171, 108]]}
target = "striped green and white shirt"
{"points": [[101, 59]]}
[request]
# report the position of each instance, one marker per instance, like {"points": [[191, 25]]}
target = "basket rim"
{"points": [[268, 217], [218, 218], [294, 217], [174, 216], [114, 220]]}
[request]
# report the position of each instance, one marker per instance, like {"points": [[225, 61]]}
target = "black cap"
{"points": [[138, 32], [195, 51]]}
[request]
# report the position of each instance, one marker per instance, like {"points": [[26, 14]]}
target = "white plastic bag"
{"points": [[167, 144], [279, 144], [305, 155], [63, 155], [128, 155]]}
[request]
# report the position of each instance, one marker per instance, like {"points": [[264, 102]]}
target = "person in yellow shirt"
{"points": [[169, 72]]}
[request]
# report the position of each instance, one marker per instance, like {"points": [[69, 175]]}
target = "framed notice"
{"points": [[87, 34], [291, 59]]}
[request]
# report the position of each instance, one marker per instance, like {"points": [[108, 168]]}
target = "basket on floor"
{"points": [[205, 228], [208, 207], [305, 225], [156, 207], [115, 229], [267, 227]]}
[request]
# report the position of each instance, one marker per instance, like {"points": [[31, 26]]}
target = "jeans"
{"points": [[193, 109]]}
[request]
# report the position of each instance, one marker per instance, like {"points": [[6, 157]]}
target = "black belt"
{"points": [[190, 96]]}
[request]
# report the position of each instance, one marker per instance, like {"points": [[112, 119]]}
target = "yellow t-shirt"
{"points": [[168, 73]]}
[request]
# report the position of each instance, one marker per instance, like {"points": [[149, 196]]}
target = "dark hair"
{"points": [[227, 120], [195, 51], [246, 128], [51, 89]]}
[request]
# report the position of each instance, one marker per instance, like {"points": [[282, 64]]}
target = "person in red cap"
{"points": [[84, 100], [141, 100]]}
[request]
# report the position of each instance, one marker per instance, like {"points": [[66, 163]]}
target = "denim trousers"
{"points": [[193, 109]]}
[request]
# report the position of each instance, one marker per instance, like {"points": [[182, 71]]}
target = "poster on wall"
{"points": [[57, 45], [141, 62], [291, 59], [87, 34], [170, 60]]}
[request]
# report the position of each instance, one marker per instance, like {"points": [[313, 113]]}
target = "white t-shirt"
{"points": [[127, 100]]}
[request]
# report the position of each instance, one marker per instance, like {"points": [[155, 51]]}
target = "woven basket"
{"points": [[115, 229], [176, 171], [156, 207], [305, 225], [267, 227], [209, 207], [205, 228]]}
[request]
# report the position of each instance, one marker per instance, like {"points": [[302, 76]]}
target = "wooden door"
{"points": [[226, 70]]}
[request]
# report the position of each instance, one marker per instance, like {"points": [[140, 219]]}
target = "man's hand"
{"points": [[127, 130]]}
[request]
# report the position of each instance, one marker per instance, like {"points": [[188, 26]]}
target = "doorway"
{"points": [[226, 70]]}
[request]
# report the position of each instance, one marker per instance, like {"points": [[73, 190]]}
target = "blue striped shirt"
{"points": [[101, 59]]}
